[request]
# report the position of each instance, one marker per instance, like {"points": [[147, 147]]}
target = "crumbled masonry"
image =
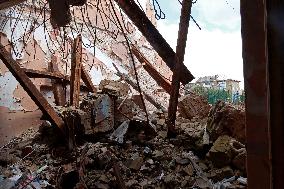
{"points": [[111, 111], [115, 148]]}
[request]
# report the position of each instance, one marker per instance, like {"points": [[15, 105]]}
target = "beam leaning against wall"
{"points": [[153, 36], [30, 88]]}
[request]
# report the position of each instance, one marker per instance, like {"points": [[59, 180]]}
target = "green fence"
{"points": [[213, 95]]}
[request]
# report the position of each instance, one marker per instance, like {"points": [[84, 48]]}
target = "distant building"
{"points": [[227, 89], [214, 82]]}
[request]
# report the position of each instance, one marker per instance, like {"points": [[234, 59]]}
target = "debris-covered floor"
{"points": [[117, 135], [114, 147]]}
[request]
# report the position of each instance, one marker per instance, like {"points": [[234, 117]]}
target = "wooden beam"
{"points": [[153, 36], [44, 74], [57, 76], [148, 97], [48, 87], [254, 37], [76, 64], [180, 51], [58, 90], [161, 81], [30, 88], [9, 3], [87, 80]]}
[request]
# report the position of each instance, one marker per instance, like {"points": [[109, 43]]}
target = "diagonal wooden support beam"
{"points": [[135, 87], [30, 88], [180, 51], [153, 36], [9, 3], [161, 81], [76, 64]]}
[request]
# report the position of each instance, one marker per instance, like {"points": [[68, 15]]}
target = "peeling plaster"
{"points": [[42, 39], [14, 34], [26, 101], [7, 88]]}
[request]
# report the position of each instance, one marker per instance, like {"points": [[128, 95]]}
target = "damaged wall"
{"points": [[34, 51]]}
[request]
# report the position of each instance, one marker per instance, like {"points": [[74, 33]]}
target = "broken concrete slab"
{"points": [[126, 109], [242, 180], [226, 151], [119, 134], [221, 153], [100, 113], [143, 156], [189, 170], [182, 161], [220, 174], [227, 119], [134, 162]]}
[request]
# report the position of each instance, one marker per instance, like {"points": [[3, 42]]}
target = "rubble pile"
{"points": [[115, 147], [224, 118], [99, 113], [193, 105]]}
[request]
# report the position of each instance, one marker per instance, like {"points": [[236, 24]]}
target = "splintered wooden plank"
{"points": [[30, 88], [76, 64], [58, 91]]}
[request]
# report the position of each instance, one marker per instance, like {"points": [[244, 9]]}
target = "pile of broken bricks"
{"points": [[111, 145]]}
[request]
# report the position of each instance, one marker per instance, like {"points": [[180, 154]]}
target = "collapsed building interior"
{"points": [[93, 96]]}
